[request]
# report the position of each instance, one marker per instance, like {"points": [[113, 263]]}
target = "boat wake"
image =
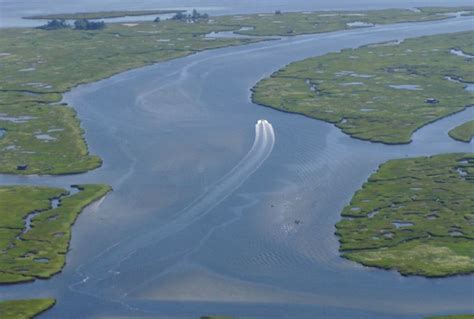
{"points": [[141, 248]]}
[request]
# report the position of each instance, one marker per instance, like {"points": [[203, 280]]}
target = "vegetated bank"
{"points": [[414, 215], [464, 132], [295, 23], [38, 66], [24, 309], [35, 228], [381, 93], [100, 14]]}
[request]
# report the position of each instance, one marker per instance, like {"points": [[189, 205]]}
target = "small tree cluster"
{"points": [[198, 16], [84, 24], [179, 16], [278, 12], [55, 25], [81, 24], [194, 16]]}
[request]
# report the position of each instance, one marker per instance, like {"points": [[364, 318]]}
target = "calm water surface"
{"points": [[202, 217]]}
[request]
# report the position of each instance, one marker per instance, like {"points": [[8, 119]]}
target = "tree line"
{"points": [[81, 24], [84, 24], [193, 17]]}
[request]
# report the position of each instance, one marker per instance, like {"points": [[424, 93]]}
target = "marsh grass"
{"points": [[434, 196], [24, 309], [464, 132], [361, 90], [295, 23], [100, 15], [38, 252]]}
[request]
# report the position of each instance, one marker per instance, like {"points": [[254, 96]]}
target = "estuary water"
{"points": [[221, 206]]}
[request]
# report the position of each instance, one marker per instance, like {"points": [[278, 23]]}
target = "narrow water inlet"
{"points": [[409, 87], [467, 85], [55, 203], [461, 53], [28, 223], [401, 224]]}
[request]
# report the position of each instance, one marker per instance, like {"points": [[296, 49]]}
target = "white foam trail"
{"points": [[105, 265]]}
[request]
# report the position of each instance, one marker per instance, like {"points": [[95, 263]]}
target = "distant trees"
{"points": [[278, 12], [157, 20], [84, 24], [193, 17], [81, 24], [179, 16], [55, 24], [197, 16]]}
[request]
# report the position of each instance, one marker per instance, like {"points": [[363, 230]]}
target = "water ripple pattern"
{"points": [[108, 263]]}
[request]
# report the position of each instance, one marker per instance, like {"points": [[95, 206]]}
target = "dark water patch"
{"points": [[28, 223], [401, 224], [461, 172], [45, 137], [351, 83], [372, 214], [52, 130], [359, 24], [409, 87], [456, 233], [55, 202], [232, 35], [388, 235], [461, 53], [41, 260], [467, 86], [16, 119], [29, 93]]}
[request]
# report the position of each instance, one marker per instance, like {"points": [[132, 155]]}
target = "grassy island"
{"points": [[35, 228], [414, 215], [295, 23], [100, 14], [380, 93], [24, 309], [464, 132]]}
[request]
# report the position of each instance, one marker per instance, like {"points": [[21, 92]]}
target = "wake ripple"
{"points": [[106, 265]]}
